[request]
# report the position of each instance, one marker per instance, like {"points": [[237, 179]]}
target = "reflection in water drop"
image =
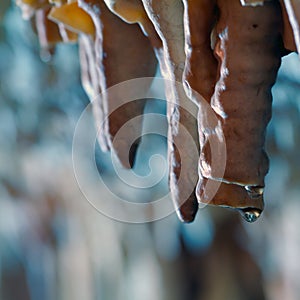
{"points": [[254, 191], [250, 214]]}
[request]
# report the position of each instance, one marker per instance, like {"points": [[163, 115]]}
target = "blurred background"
{"points": [[55, 245]]}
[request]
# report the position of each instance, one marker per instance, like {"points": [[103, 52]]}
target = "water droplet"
{"points": [[254, 191], [250, 214], [46, 54]]}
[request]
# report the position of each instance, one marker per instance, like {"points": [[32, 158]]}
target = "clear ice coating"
{"points": [[250, 214], [254, 191]]}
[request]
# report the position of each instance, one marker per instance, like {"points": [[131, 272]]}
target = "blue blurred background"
{"points": [[54, 245]]}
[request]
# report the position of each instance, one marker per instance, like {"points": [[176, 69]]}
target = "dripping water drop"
{"points": [[250, 214], [46, 55]]}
